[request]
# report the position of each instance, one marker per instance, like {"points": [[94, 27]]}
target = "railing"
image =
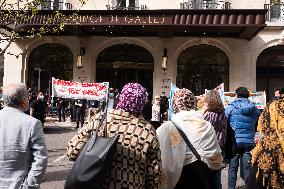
{"points": [[52, 5], [142, 7], [275, 12], [191, 4]]}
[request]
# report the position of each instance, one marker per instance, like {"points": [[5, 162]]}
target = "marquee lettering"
{"points": [[115, 19]]}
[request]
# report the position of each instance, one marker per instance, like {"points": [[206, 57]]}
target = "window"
{"points": [[276, 11], [52, 5], [209, 4], [205, 4], [126, 4]]}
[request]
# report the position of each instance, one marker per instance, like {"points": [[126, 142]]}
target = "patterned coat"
{"points": [[268, 155], [137, 163]]}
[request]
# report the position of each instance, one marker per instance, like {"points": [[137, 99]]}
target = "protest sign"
{"points": [[258, 98], [77, 90], [172, 93], [229, 97], [221, 90]]}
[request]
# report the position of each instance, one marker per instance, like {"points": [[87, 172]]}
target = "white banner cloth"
{"points": [[77, 90]]}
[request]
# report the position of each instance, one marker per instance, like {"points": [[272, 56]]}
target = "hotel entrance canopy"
{"points": [[234, 23]]}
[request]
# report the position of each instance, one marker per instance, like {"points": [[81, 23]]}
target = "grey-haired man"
{"points": [[23, 157]]}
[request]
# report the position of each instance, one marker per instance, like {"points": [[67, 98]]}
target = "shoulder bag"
{"points": [[94, 161], [204, 177], [77, 143]]}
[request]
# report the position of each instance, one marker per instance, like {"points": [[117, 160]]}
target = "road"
{"points": [[57, 135]]}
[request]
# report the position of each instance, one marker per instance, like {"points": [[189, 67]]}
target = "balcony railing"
{"points": [[275, 12], [191, 4], [142, 7], [54, 5]]}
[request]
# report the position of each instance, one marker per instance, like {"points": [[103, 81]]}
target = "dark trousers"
{"points": [[61, 114], [80, 116], [242, 158], [72, 114], [197, 175]]}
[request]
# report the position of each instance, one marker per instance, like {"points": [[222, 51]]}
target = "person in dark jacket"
{"points": [[164, 106], [80, 106], [276, 94], [72, 110], [61, 109], [242, 116], [147, 110], [38, 108]]}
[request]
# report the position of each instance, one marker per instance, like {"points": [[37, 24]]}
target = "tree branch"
{"points": [[2, 51]]}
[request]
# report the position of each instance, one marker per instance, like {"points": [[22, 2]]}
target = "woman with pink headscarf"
{"points": [[137, 163]]}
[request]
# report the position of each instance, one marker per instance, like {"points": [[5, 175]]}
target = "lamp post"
{"points": [[80, 57], [164, 66], [165, 60]]}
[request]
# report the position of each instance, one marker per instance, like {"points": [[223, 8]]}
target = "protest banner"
{"points": [[221, 90], [172, 93], [77, 90], [258, 98], [229, 97]]}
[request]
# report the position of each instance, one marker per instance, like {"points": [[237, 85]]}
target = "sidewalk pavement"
{"points": [[53, 122], [57, 136]]}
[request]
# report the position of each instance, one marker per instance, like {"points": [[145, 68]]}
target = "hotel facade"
{"points": [[193, 44]]}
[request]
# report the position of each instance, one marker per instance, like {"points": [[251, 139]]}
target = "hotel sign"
{"points": [[244, 24], [119, 20]]}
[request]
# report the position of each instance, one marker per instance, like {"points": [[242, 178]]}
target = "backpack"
{"points": [[230, 146]]}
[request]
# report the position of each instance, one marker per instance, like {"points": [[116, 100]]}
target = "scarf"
{"points": [[268, 153], [132, 98], [174, 151], [183, 100]]}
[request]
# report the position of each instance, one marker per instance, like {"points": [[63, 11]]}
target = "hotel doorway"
{"points": [[46, 61], [202, 67], [124, 63], [270, 70]]}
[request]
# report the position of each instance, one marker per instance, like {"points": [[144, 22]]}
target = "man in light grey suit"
{"points": [[23, 154]]}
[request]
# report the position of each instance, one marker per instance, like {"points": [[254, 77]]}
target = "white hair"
{"points": [[14, 94]]}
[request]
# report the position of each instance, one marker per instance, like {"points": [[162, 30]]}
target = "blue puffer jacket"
{"points": [[242, 115]]}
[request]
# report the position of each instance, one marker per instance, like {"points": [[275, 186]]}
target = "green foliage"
{"points": [[14, 14], [273, 2]]}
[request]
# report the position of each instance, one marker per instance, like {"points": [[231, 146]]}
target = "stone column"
{"points": [[13, 65], [242, 71]]}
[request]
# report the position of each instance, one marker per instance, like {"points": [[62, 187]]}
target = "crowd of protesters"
{"points": [[41, 106], [187, 151]]}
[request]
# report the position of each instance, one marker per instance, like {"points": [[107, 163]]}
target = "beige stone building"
{"points": [[204, 43]]}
